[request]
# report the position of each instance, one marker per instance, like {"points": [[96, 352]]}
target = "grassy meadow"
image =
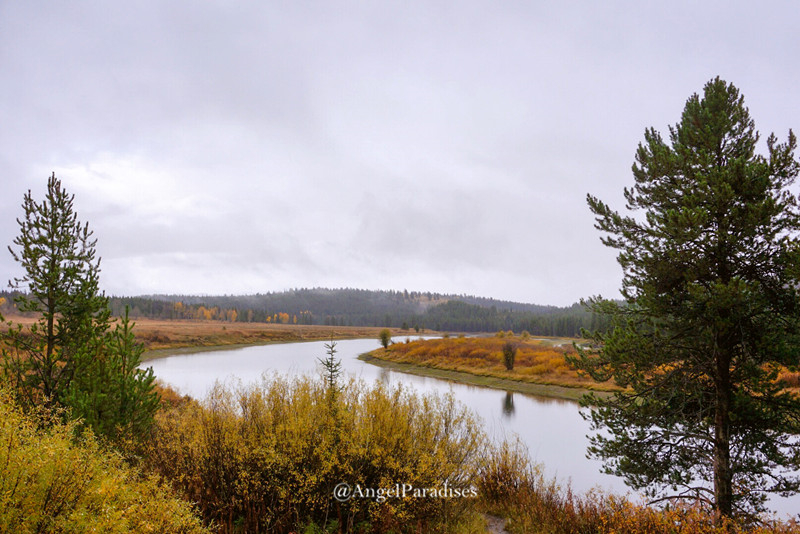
{"points": [[162, 337], [539, 366], [165, 337]]}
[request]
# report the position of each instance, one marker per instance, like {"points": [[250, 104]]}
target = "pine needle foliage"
{"points": [[69, 358], [332, 367], [61, 285], [711, 314], [113, 395]]}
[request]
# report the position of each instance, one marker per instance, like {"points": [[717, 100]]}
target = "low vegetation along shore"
{"points": [[224, 453], [539, 366], [166, 337], [267, 458]]}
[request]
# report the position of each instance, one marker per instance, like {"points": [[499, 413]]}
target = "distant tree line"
{"points": [[414, 311], [461, 316]]}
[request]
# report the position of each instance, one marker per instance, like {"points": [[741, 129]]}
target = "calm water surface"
{"points": [[552, 429]]}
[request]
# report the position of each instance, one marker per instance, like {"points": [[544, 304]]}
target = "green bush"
{"points": [[509, 355], [385, 338]]}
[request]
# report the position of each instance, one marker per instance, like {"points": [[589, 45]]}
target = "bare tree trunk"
{"points": [[723, 477]]}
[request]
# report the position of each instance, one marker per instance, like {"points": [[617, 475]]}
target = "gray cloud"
{"points": [[424, 145]]}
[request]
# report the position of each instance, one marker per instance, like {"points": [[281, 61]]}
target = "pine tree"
{"points": [[68, 357], [711, 314], [113, 395], [60, 284], [331, 367]]}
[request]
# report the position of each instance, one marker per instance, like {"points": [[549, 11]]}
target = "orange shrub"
{"points": [[537, 360]]}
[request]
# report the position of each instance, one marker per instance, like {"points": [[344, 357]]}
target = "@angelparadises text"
{"points": [[344, 492]]}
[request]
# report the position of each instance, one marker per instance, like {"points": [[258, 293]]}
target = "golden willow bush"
{"points": [[266, 458], [51, 481]]}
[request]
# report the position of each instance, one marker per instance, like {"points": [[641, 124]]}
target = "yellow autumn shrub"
{"points": [[53, 481], [267, 457]]}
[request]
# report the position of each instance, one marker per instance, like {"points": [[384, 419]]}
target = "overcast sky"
{"points": [[240, 147]]}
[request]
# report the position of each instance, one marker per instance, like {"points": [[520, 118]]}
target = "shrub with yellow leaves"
{"points": [[52, 480], [266, 458]]}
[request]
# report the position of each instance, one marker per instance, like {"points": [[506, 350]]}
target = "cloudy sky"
{"points": [[241, 147]]}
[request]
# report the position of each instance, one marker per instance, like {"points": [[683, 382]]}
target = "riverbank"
{"points": [[539, 366], [528, 388], [166, 338], [163, 338]]}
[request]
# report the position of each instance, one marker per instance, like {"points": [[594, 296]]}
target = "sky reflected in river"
{"points": [[552, 429]]}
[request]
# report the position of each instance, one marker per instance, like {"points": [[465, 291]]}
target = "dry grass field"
{"points": [[157, 334], [538, 360], [160, 337]]}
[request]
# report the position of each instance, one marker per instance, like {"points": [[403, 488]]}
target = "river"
{"points": [[552, 429]]}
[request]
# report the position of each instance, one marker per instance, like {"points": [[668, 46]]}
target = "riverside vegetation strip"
{"points": [[539, 369], [166, 337], [237, 474], [548, 376]]}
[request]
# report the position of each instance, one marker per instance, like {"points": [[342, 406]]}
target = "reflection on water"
{"points": [[508, 404], [384, 375], [552, 429]]}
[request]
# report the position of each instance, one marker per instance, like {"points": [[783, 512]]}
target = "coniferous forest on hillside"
{"points": [[358, 307], [410, 310]]}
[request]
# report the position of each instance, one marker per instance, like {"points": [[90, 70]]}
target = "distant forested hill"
{"points": [[359, 307]]}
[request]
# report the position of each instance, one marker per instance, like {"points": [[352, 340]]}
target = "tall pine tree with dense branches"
{"points": [[60, 286], [69, 357], [711, 314]]}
